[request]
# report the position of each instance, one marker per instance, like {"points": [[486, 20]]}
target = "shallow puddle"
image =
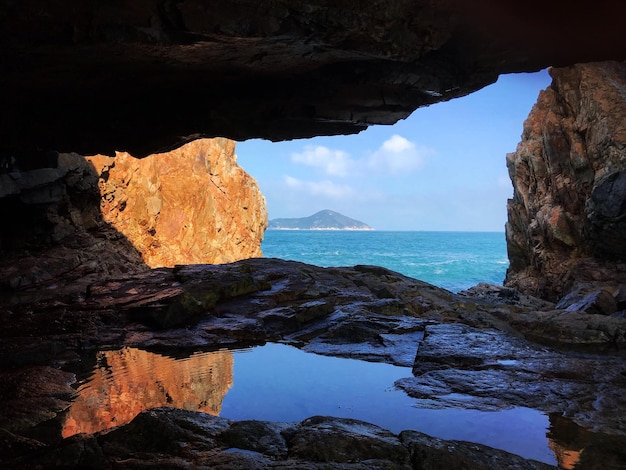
{"points": [[281, 383]]}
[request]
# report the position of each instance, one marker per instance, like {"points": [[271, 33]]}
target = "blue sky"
{"points": [[442, 168]]}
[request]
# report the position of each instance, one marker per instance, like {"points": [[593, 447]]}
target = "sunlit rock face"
{"points": [[140, 76], [86, 217], [566, 218], [191, 205], [129, 381]]}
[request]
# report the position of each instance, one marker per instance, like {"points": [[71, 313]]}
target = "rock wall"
{"points": [[191, 205], [566, 220], [52, 232], [82, 218]]}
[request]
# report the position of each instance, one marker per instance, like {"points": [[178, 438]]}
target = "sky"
{"points": [[443, 168]]}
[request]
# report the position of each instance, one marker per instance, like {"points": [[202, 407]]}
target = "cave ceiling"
{"points": [[147, 75]]}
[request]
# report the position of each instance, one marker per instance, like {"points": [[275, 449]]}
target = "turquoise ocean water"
{"points": [[452, 260]]}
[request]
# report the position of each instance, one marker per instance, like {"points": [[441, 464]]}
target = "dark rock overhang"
{"points": [[147, 75]]}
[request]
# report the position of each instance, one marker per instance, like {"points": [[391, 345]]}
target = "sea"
{"points": [[453, 260]]}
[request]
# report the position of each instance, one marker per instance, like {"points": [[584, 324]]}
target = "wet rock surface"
{"points": [[467, 351], [177, 438], [487, 369]]}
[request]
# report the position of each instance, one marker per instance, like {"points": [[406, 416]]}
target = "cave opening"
{"points": [[163, 269], [443, 169]]}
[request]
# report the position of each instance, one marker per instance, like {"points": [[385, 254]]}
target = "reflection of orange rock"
{"points": [[192, 205], [130, 380], [566, 458]]}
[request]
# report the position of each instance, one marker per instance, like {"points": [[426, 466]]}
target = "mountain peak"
{"points": [[323, 220]]}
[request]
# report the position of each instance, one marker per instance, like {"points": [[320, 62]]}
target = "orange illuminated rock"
{"points": [[191, 205]]}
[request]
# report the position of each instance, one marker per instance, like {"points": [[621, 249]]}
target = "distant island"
{"points": [[322, 220]]}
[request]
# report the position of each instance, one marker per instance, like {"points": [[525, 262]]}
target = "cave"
{"points": [[105, 107]]}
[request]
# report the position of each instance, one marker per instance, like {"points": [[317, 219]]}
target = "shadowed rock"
{"points": [[92, 78], [431, 453], [465, 352], [177, 438]]}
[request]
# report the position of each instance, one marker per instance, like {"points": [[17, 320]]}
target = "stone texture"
{"points": [[172, 438], [467, 351], [191, 205], [589, 300], [460, 366], [344, 440], [567, 327], [431, 453], [145, 75], [33, 394], [565, 218], [90, 217], [54, 234]]}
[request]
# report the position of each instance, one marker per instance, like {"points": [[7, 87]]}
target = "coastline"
{"points": [[329, 229]]}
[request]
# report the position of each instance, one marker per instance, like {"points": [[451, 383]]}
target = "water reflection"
{"points": [[128, 381], [579, 448], [566, 456]]}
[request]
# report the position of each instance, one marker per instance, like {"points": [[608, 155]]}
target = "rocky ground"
{"points": [[73, 282], [487, 348]]}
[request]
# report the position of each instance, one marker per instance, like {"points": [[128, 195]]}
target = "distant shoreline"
{"points": [[324, 229], [379, 231]]}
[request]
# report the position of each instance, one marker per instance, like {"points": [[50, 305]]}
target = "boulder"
{"points": [[595, 301], [428, 453]]}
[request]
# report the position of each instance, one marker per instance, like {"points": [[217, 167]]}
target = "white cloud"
{"points": [[332, 162], [398, 155], [320, 188], [397, 144]]}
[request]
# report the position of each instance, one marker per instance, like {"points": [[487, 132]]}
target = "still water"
{"points": [[280, 383]]}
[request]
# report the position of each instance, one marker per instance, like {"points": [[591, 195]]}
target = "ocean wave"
{"points": [[448, 260]]}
